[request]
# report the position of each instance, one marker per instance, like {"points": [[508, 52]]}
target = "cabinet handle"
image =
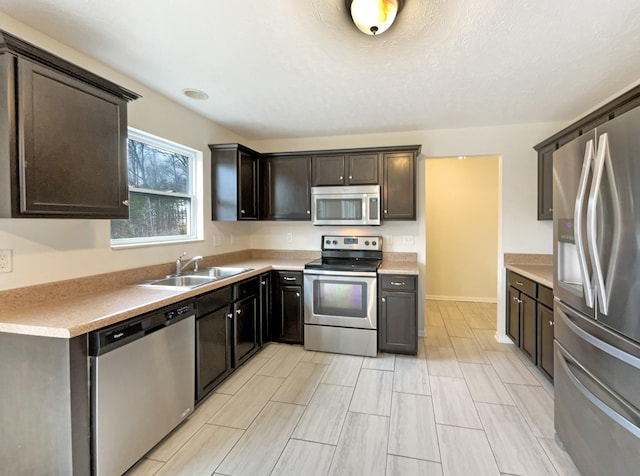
{"points": [[125, 203], [519, 283], [384, 299], [264, 283], [386, 211], [397, 283], [550, 210], [238, 311], [288, 278], [230, 316], [308, 212], [551, 323], [241, 211], [519, 301], [297, 294], [350, 177], [341, 177]]}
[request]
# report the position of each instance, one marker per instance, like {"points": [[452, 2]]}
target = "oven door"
{"points": [[340, 299]]}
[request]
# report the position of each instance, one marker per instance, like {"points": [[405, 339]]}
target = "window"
{"points": [[164, 180]]}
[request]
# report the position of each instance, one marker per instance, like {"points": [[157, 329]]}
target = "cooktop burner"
{"points": [[349, 253], [344, 264]]}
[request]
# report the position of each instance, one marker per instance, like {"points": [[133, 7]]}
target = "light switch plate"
{"points": [[6, 264], [289, 237]]}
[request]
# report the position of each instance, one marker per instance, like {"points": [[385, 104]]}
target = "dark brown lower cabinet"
{"points": [[397, 314], [288, 308], [245, 314], [528, 328], [513, 315], [529, 320], [545, 339]]}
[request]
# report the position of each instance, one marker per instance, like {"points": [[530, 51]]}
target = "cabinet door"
{"points": [[545, 339], [287, 188], [247, 187], [513, 315], [265, 308], [213, 356], [362, 169], [398, 186], [72, 152], [245, 314], [328, 170], [528, 327], [545, 183], [290, 324], [397, 324]]}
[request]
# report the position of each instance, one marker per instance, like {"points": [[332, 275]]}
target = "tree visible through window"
{"points": [[161, 192]]}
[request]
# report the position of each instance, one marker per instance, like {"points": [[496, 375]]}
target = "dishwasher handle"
{"points": [[114, 336]]}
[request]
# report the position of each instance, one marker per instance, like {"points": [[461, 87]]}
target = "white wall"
{"points": [[46, 250]]}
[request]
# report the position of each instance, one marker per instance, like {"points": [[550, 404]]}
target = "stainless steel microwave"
{"points": [[353, 205]]}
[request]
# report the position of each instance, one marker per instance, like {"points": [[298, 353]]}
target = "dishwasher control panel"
{"points": [[116, 335]]}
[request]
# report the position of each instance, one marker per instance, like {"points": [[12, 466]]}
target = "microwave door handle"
{"points": [[587, 164], [603, 162]]}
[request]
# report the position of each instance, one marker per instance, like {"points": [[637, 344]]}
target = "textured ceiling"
{"points": [[299, 68]]}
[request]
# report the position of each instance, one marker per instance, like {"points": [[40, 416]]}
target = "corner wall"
{"points": [[46, 250]]}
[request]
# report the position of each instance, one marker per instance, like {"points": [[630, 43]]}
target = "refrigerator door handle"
{"points": [[617, 410], [603, 159], [587, 163], [595, 342]]}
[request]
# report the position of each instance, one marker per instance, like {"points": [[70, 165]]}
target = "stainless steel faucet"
{"points": [[181, 267]]}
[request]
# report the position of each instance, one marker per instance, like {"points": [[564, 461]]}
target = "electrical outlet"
{"points": [[6, 265], [407, 240], [289, 237]]}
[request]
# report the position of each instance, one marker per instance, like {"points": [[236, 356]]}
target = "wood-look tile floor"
{"points": [[466, 405]]}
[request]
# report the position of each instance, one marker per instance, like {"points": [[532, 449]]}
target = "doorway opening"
{"points": [[462, 196]]}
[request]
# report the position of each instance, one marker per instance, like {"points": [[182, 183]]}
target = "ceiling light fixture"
{"points": [[373, 16], [195, 94]]}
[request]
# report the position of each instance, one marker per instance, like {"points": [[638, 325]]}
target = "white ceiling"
{"points": [[299, 68]]}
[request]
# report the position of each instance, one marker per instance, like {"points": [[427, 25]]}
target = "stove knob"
{"points": [[373, 243], [366, 243], [328, 242], [335, 242]]}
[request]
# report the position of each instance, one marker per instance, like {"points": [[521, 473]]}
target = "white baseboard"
{"points": [[462, 299], [502, 338]]}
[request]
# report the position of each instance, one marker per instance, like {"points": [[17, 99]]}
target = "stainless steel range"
{"points": [[340, 299]]}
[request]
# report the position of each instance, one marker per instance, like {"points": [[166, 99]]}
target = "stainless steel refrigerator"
{"points": [[596, 232]]}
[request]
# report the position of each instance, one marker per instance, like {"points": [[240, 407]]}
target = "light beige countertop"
{"points": [[540, 273], [398, 267], [74, 307]]}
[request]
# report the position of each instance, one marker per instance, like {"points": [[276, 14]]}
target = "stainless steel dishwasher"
{"points": [[142, 384]]}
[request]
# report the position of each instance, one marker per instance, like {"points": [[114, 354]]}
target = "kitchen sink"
{"points": [[219, 272], [183, 281], [194, 279]]}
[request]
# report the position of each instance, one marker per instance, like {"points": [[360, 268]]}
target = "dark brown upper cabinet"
{"points": [[286, 194], [399, 185], [63, 137], [345, 169], [623, 103], [247, 185], [234, 182]]}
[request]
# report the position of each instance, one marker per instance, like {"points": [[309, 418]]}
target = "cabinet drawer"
{"points": [[545, 296], [521, 283], [214, 300], [398, 282], [290, 278], [246, 288]]}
